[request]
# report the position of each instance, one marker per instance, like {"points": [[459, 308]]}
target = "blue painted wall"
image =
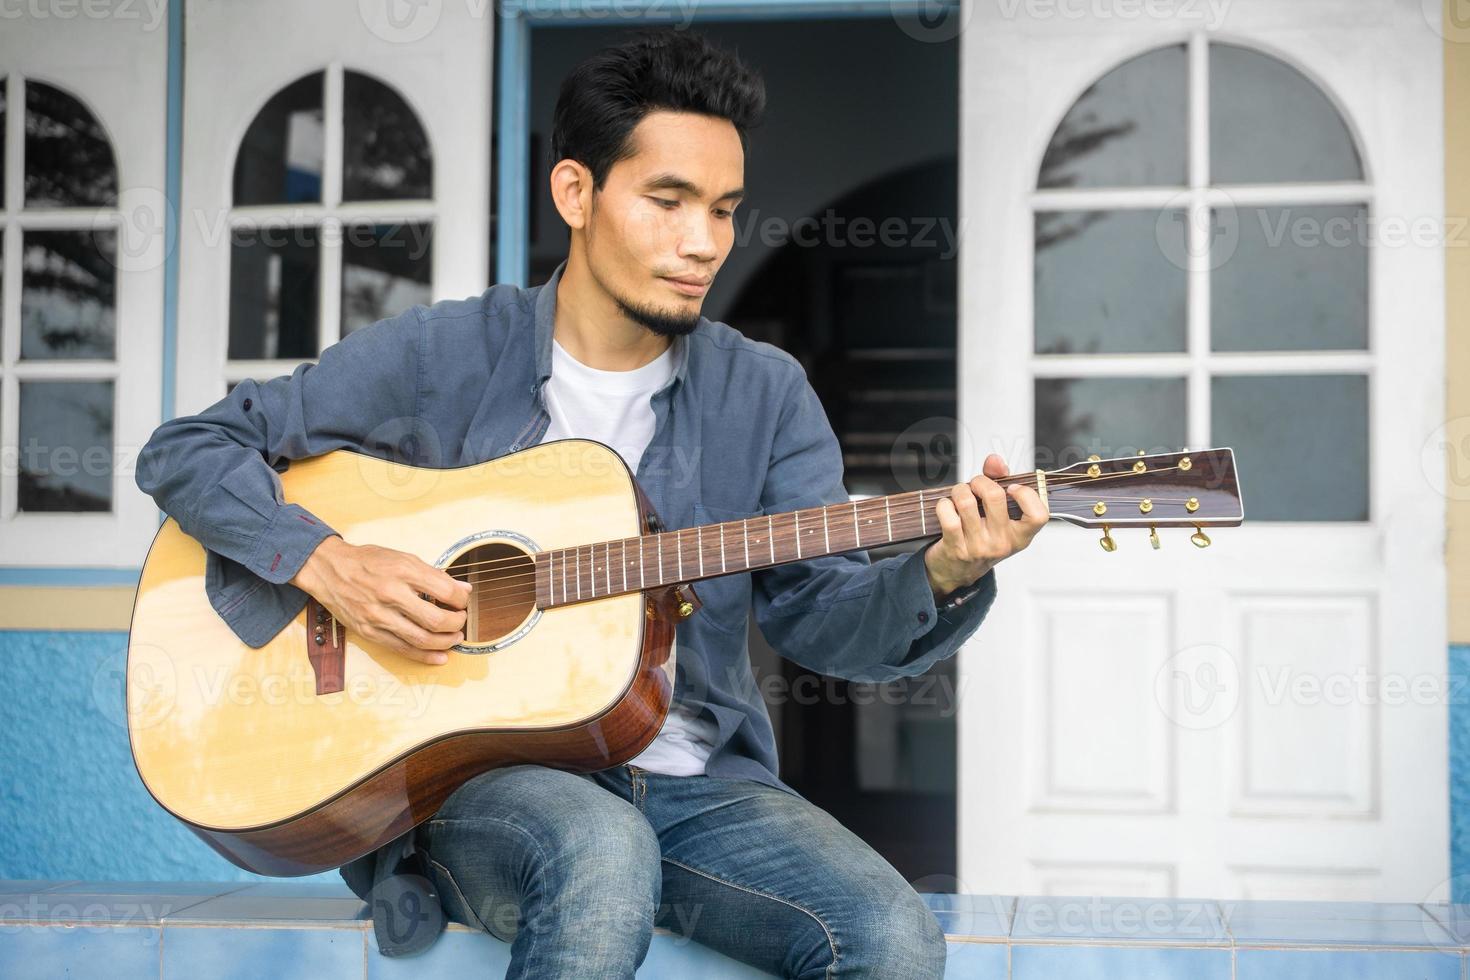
{"points": [[74, 806]]}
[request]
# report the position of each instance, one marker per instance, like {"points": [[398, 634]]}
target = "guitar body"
{"points": [[243, 745]]}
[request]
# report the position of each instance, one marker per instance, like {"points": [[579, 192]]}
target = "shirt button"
{"points": [[247, 404], [923, 617]]}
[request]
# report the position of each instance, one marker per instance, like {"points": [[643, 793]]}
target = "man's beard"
{"points": [[661, 322]]}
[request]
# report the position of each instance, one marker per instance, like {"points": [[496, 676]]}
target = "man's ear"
{"points": [[571, 191]]}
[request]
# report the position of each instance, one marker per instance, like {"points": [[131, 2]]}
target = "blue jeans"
{"points": [[575, 870]]}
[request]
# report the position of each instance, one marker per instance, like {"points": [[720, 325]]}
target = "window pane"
{"points": [[1127, 129], [1110, 281], [385, 153], [1296, 278], [67, 294], [385, 269], [65, 446], [274, 276], [68, 160], [1079, 417], [1269, 122], [1300, 441], [280, 159]]}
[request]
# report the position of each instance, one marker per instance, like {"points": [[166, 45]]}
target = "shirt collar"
{"points": [[546, 322]]}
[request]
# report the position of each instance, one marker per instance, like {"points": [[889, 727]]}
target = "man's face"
{"points": [[666, 214]]}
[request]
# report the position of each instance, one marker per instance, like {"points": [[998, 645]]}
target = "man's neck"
{"points": [[590, 326]]}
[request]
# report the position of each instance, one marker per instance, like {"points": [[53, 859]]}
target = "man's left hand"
{"points": [[973, 542]]}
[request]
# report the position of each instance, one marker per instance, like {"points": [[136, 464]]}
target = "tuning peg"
{"points": [[1200, 538], [1107, 542], [1153, 537]]}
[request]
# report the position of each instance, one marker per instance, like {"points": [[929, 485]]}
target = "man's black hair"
{"points": [[607, 95]]}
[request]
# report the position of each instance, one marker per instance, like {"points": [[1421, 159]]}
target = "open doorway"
{"points": [[845, 256]]}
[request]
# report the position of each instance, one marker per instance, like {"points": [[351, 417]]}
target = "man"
{"points": [[697, 833]]}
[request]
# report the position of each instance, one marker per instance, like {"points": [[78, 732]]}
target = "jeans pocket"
{"points": [[456, 905]]}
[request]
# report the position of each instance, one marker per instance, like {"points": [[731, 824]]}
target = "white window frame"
{"points": [[119, 72]]}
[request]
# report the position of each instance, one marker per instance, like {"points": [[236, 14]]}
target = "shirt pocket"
{"points": [[725, 599]]}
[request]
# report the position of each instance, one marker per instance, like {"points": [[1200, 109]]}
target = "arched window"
{"points": [[1201, 277], [59, 363], [331, 220]]}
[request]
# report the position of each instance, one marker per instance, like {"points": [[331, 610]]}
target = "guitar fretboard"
{"points": [[606, 568]]}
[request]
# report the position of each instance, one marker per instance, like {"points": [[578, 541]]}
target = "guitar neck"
{"points": [[615, 567]]}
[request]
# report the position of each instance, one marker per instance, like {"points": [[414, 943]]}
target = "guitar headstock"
{"points": [[1185, 489]]}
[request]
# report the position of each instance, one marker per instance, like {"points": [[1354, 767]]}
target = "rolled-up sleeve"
{"points": [[846, 615], [216, 472]]}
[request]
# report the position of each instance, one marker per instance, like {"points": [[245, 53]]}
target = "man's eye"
{"points": [[664, 200], [722, 213]]}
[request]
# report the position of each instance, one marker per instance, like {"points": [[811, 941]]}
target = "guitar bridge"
{"points": [[326, 647]]}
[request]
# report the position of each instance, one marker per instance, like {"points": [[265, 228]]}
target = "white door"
{"points": [[83, 136], [1184, 236], [337, 174]]}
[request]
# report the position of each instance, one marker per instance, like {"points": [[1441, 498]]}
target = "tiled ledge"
{"points": [[287, 930]]}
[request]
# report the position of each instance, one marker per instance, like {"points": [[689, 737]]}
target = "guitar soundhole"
{"points": [[502, 581]]}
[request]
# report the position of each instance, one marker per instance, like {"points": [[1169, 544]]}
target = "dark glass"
{"points": [[4, 94], [274, 277], [385, 153], [1081, 417], [280, 159], [1110, 282], [1296, 279], [1270, 123], [385, 269], [1127, 129], [68, 294], [65, 450], [68, 158], [1300, 441]]}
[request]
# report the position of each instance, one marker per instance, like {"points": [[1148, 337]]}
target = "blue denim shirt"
{"points": [[739, 431]]}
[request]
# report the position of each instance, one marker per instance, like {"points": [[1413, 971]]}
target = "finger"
{"points": [[952, 528], [972, 524], [439, 584], [997, 513], [420, 638], [435, 619], [1034, 514], [397, 644], [995, 467]]}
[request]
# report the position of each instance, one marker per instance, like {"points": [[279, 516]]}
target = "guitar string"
{"points": [[590, 577], [938, 492]]}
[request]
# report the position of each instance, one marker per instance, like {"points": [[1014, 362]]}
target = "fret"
{"points": [[641, 562], [771, 535], [826, 538], [679, 553], [579, 571], [659, 540], [699, 547], [888, 517], [623, 557], [722, 548], [551, 577], [745, 529], [857, 532], [796, 522], [923, 526]]}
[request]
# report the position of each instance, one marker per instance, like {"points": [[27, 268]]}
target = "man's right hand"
{"points": [[375, 591]]}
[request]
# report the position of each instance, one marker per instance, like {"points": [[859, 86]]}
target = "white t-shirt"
{"points": [[613, 408]]}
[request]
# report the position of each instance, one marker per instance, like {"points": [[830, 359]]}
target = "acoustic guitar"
{"points": [[318, 747]]}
